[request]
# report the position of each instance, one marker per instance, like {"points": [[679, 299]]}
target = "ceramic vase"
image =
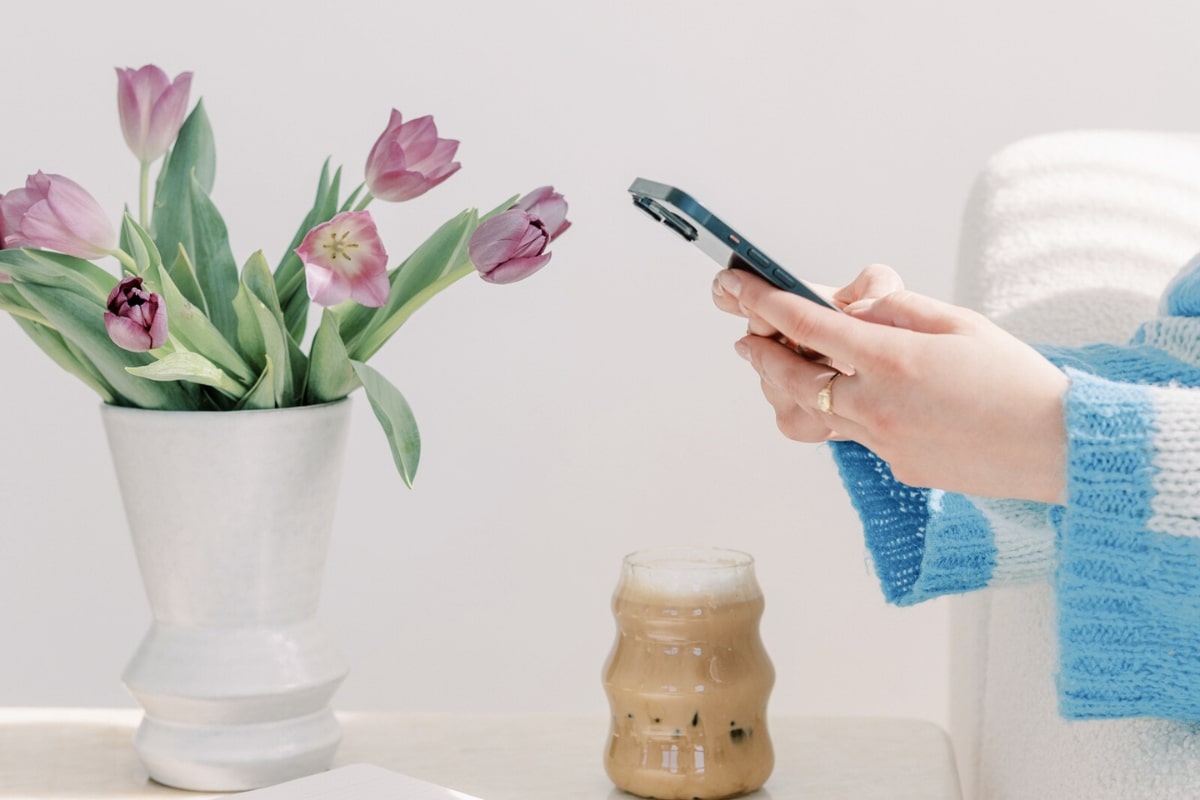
{"points": [[230, 514]]}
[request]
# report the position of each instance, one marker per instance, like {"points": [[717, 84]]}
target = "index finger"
{"points": [[814, 326]]}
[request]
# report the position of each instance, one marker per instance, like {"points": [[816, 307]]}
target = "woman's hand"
{"points": [[947, 398]]}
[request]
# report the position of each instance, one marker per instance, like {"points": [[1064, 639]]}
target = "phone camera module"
{"points": [[679, 226], [647, 205]]}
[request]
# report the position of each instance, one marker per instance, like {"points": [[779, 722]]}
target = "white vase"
{"points": [[230, 514]]}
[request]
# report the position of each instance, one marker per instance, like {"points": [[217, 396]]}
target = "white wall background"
{"points": [[598, 407]]}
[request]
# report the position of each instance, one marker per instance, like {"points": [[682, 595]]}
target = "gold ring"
{"points": [[825, 396]]}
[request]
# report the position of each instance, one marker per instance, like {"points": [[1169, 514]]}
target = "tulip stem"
{"points": [[144, 196], [378, 337], [366, 201], [125, 259]]}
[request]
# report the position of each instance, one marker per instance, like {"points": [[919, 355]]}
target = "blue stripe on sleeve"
{"points": [[924, 543], [1128, 598]]}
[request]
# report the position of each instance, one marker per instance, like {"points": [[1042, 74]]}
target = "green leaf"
{"points": [[189, 327], [289, 276], [17, 306], [185, 216], [262, 393], [52, 344], [80, 322], [183, 273], [437, 255], [256, 277], [330, 374], [217, 272], [194, 150], [249, 331], [137, 243], [191, 367], [396, 419], [275, 350], [55, 269]]}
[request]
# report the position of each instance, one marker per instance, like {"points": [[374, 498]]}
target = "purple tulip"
{"points": [[344, 258], [55, 213], [408, 159], [136, 319], [152, 108]]}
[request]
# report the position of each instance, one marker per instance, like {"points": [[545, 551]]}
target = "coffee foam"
{"points": [[690, 572]]}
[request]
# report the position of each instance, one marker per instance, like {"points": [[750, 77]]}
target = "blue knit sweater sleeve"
{"points": [[1122, 553]]}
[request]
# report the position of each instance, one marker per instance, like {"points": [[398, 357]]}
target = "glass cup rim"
{"points": [[688, 558]]}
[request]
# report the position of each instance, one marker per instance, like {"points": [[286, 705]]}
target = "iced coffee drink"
{"points": [[688, 677]]}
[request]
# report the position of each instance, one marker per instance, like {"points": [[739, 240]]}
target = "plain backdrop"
{"points": [[597, 407]]}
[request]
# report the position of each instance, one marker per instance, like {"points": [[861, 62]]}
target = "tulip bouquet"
{"points": [[183, 328]]}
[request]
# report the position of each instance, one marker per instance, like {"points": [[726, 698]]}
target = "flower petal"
{"points": [[344, 257], [126, 333], [516, 269], [325, 287]]}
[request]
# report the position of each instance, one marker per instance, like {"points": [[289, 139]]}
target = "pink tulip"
{"points": [[512, 245], [152, 108], [136, 319], [344, 258], [509, 246], [550, 207], [55, 213], [408, 159]]}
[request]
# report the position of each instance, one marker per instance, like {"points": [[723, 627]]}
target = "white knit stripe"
{"points": [[1175, 443], [1177, 336], [1024, 539]]}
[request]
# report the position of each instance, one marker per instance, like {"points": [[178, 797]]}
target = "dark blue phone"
{"points": [[678, 211]]}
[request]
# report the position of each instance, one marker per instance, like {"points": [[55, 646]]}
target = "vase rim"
{"points": [[109, 408]]}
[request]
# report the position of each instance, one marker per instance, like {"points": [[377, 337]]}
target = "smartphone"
{"points": [[677, 210]]}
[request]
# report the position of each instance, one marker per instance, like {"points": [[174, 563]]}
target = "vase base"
{"points": [[237, 757]]}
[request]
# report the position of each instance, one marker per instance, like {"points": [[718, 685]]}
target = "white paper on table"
{"points": [[357, 782]]}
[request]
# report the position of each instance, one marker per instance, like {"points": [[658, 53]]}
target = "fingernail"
{"points": [[742, 349], [730, 281], [716, 288], [859, 306]]}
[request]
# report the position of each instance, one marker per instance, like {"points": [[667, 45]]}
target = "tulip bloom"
{"points": [[55, 213], [512, 245], [136, 319], [509, 246], [344, 258], [408, 159], [152, 109]]}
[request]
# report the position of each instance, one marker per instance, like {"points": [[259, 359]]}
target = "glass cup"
{"points": [[688, 678]]}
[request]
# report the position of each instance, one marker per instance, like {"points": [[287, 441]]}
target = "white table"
{"points": [[87, 753]]}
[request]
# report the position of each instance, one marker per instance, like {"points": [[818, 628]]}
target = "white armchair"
{"points": [[1067, 238]]}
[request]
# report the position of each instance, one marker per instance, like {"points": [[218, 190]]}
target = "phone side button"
{"points": [[758, 258], [782, 278]]}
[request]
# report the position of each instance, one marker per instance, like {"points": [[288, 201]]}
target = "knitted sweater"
{"points": [[1122, 554]]}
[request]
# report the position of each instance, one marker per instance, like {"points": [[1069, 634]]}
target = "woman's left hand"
{"points": [[943, 395]]}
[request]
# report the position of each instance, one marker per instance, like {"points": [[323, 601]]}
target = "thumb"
{"points": [[911, 311]]}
